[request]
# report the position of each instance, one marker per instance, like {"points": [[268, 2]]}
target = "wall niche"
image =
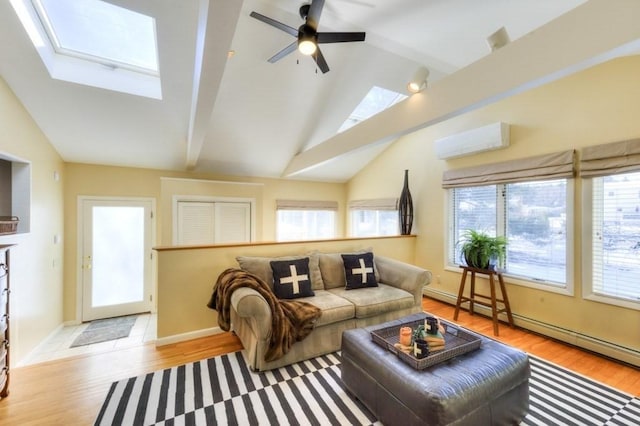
{"points": [[15, 191]]}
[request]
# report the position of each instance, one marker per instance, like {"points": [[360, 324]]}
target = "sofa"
{"points": [[394, 290]]}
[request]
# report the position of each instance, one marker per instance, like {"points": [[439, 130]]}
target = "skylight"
{"points": [[375, 101], [100, 31], [95, 43]]}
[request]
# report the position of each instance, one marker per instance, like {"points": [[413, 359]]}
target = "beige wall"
{"points": [[106, 181], [186, 276], [36, 261], [597, 106]]}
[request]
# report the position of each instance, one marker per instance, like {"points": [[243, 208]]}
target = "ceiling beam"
{"points": [[592, 33], [217, 21]]}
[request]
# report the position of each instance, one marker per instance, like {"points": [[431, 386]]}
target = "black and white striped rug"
{"points": [[222, 390]]}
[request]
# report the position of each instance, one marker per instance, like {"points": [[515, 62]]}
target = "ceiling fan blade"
{"points": [[314, 13], [279, 25], [340, 37], [284, 52], [322, 63]]}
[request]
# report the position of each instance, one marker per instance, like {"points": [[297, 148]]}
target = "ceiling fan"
{"points": [[308, 36]]}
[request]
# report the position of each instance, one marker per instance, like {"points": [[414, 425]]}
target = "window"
{"points": [[615, 230], [528, 202], [94, 43], [375, 101], [611, 215], [372, 223], [532, 216], [371, 218], [305, 220]]}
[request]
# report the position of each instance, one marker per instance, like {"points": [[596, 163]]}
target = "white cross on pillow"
{"points": [[362, 270], [294, 279]]}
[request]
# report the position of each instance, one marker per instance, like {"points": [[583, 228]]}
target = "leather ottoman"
{"points": [[488, 386]]}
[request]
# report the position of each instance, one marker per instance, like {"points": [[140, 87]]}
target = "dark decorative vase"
{"points": [[405, 207]]}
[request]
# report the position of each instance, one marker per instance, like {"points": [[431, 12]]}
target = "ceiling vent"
{"points": [[486, 138]]}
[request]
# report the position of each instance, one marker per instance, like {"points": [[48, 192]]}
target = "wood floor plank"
{"points": [[610, 372], [71, 391]]}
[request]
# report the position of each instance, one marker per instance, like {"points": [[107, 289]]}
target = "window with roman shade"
{"points": [[305, 220], [374, 217], [528, 201], [611, 238]]}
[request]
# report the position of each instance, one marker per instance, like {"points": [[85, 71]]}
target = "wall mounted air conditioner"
{"points": [[485, 138]]}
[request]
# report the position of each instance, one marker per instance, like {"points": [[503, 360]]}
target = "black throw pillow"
{"points": [[358, 270], [291, 278]]}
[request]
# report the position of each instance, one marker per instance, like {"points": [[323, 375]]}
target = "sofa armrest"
{"points": [[249, 304], [403, 275]]}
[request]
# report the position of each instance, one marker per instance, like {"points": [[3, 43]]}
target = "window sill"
{"points": [[534, 284], [610, 300]]}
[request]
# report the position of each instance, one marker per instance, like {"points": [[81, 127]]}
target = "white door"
{"points": [[116, 257]]}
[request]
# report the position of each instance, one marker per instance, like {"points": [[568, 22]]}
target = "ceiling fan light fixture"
{"points": [[307, 44], [419, 81], [307, 47]]}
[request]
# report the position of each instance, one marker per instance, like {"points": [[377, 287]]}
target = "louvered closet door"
{"points": [[195, 223], [232, 223], [213, 222]]}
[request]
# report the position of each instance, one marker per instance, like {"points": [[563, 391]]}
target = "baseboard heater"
{"points": [[584, 341]]}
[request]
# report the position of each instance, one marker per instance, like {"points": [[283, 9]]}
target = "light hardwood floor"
{"points": [[70, 391]]}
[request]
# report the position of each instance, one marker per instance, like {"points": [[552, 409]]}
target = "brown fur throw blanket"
{"points": [[292, 320]]}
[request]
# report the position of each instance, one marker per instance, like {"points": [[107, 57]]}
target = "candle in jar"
{"points": [[405, 336]]}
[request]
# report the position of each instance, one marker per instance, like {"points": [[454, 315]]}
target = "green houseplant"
{"points": [[481, 250]]}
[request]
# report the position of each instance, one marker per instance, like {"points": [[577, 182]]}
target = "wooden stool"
{"points": [[473, 295]]}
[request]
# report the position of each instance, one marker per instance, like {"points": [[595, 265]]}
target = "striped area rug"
{"points": [[222, 390]]}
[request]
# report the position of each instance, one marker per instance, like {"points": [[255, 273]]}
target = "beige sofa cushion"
{"points": [[332, 268], [374, 301], [261, 266], [334, 308]]}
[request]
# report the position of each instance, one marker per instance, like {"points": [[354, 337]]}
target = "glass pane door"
{"points": [[116, 258]]}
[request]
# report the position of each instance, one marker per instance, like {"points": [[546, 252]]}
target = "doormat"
{"points": [[104, 330]]}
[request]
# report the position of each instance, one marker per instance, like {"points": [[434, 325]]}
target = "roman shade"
{"points": [[306, 205], [376, 204], [542, 167], [610, 159]]}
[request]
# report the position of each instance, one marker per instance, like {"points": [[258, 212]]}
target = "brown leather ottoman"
{"points": [[488, 386]]}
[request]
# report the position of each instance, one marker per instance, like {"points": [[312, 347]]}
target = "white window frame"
{"points": [[587, 253], [306, 206], [567, 289], [377, 206], [377, 213], [77, 69]]}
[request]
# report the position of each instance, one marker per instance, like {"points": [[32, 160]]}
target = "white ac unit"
{"points": [[485, 138]]}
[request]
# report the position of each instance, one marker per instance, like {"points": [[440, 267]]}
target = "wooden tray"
{"points": [[457, 342]]}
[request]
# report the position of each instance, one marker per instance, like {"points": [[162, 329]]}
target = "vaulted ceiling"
{"points": [[240, 115]]}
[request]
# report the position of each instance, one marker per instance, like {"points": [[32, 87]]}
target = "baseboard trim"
{"points": [[176, 338], [584, 341]]}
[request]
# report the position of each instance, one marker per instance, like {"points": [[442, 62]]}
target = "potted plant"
{"points": [[481, 250]]}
